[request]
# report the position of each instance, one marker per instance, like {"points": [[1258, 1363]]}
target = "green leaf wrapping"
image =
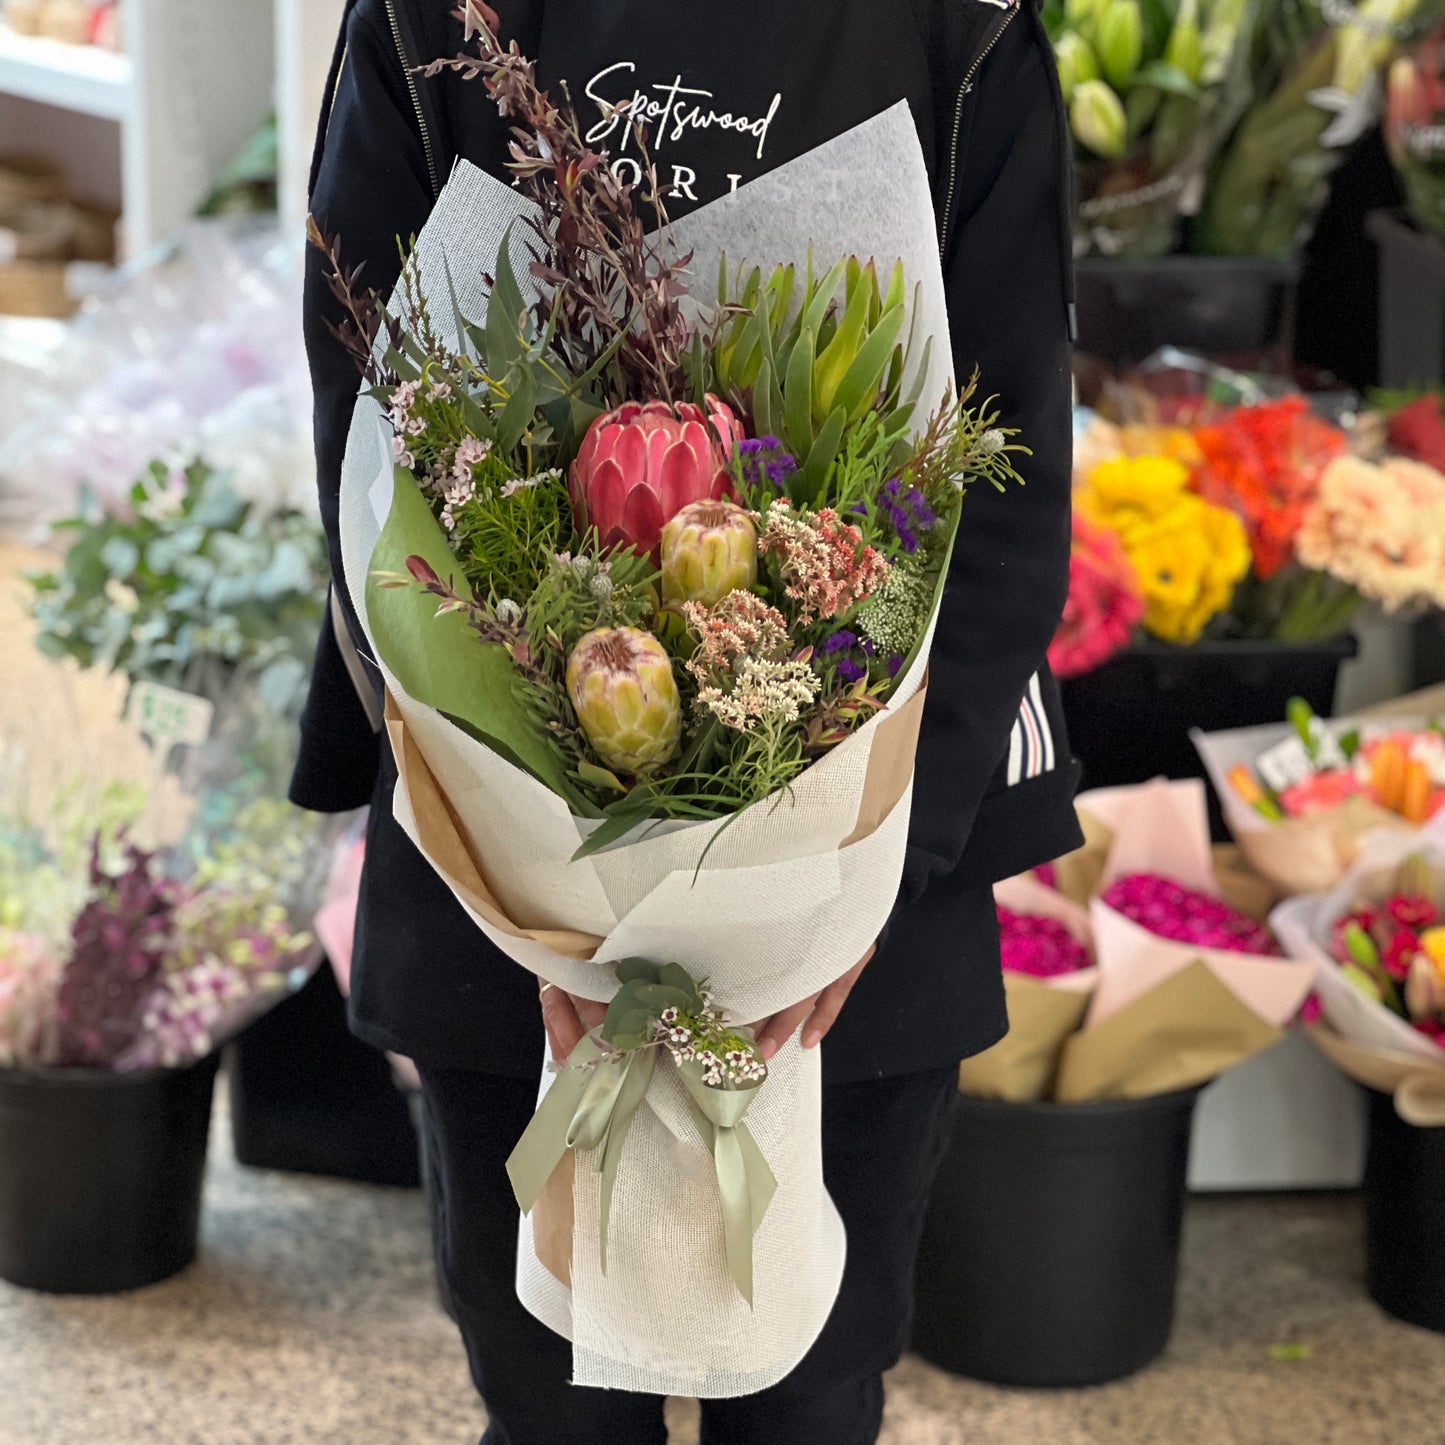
{"points": [[439, 660]]}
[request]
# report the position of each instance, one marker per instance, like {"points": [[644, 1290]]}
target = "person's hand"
{"points": [[567, 1018], [821, 1012]]}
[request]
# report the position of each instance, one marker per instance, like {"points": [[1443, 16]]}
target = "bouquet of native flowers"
{"points": [[650, 579]]}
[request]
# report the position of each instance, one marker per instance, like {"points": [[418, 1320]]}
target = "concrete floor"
{"points": [[310, 1319]]}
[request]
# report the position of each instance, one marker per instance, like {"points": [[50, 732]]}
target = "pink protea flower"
{"points": [[1104, 605], [1170, 910], [1039, 947], [640, 465]]}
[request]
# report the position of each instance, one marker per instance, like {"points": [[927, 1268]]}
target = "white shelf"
{"points": [[84, 78]]}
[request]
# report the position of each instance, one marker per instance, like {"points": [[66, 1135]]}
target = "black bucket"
{"points": [[100, 1175], [1129, 719], [1051, 1247], [309, 1097], [1404, 1196], [1214, 305]]}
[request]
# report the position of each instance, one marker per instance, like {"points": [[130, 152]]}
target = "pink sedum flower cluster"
{"points": [[1170, 910], [823, 564]]}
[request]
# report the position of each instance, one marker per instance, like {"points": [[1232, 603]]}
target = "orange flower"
{"points": [[1264, 463]]}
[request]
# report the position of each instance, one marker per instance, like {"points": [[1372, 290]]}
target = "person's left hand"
{"points": [[821, 1012]]}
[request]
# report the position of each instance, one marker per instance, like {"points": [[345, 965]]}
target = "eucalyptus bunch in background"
{"points": [[1152, 86], [1317, 67], [192, 586]]}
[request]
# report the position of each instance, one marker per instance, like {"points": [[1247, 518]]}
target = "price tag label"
{"points": [[167, 715]]}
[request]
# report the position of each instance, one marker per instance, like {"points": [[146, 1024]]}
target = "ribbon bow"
{"points": [[597, 1094]]}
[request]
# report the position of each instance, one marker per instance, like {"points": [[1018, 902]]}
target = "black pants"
{"points": [[882, 1143]]}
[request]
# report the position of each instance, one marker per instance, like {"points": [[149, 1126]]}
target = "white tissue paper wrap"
{"points": [[780, 907]]}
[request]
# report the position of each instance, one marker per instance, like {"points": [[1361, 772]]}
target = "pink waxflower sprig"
{"points": [[1169, 910]]}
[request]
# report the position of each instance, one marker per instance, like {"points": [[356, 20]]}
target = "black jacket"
{"points": [[994, 780]]}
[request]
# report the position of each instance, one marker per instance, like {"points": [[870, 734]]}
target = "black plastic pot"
{"points": [[1213, 305], [1051, 1247], [1412, 302], [1129, 720], [100, 1175], [309, 1097], [1404, 1195]]}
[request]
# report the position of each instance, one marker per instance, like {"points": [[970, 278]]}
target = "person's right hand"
{"points": [[567, 1019]]}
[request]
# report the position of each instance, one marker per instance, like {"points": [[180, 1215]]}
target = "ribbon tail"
{"points": [[737, 1213], [628, 1100], [762, 1182], [540, 1149]]}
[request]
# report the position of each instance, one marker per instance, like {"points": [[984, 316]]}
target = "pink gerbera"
{"points": [[1104, 605]]}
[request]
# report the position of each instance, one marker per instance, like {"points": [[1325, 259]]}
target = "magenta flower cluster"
{"points": [[1170, 910], [1040, 947]]}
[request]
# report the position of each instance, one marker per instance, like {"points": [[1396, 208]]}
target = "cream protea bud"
{"points": [[621, 684], [708, 550]]}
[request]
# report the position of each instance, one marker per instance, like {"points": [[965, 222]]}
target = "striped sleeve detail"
{"points": [[1031, 751]]}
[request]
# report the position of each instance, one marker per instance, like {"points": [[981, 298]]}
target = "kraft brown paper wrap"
{"points": [[552, 1216], [1182, 1033], [1240, 886], [446, 845], [1022, 1067], [1311, 855], [1418, 1085], [1078, 875], [890, 768]]}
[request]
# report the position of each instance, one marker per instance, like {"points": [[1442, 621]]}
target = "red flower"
{"points": [[1104, 603], [1418, 430], [1399, 953], [1410, 910]]}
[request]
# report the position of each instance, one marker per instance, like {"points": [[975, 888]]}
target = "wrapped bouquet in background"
{"points": [[1377, 941], [1185, 983], [1317, 76], [651, 579], [1300, 796], [1151, 90]]}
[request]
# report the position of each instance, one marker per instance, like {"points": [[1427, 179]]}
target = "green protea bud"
{"points": [[1185, 47], [1076, 62], [1079, 14], [708, 550], [1119, 41], [1097, 119], [621, 685]]}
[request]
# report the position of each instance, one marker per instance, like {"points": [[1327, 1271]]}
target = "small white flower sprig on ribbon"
{"points": [[659, 1009]]}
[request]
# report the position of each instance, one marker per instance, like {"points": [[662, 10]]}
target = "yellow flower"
{"points": [[1189, 554], [1432, 945]]}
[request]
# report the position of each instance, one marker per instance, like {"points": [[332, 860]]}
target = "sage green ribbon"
{"points": [[745, 1183], [592, 1105]]}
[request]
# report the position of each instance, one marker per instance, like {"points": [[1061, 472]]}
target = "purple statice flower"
{"points": [[895, 662], [842, 641], [908, 512], [763, 459], [850, 671]]}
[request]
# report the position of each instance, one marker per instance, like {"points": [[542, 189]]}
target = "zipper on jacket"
{"points": [[408, 69], [963, 91]]}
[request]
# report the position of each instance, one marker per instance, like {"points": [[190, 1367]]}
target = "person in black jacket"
{"points": [[994, 780]]}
